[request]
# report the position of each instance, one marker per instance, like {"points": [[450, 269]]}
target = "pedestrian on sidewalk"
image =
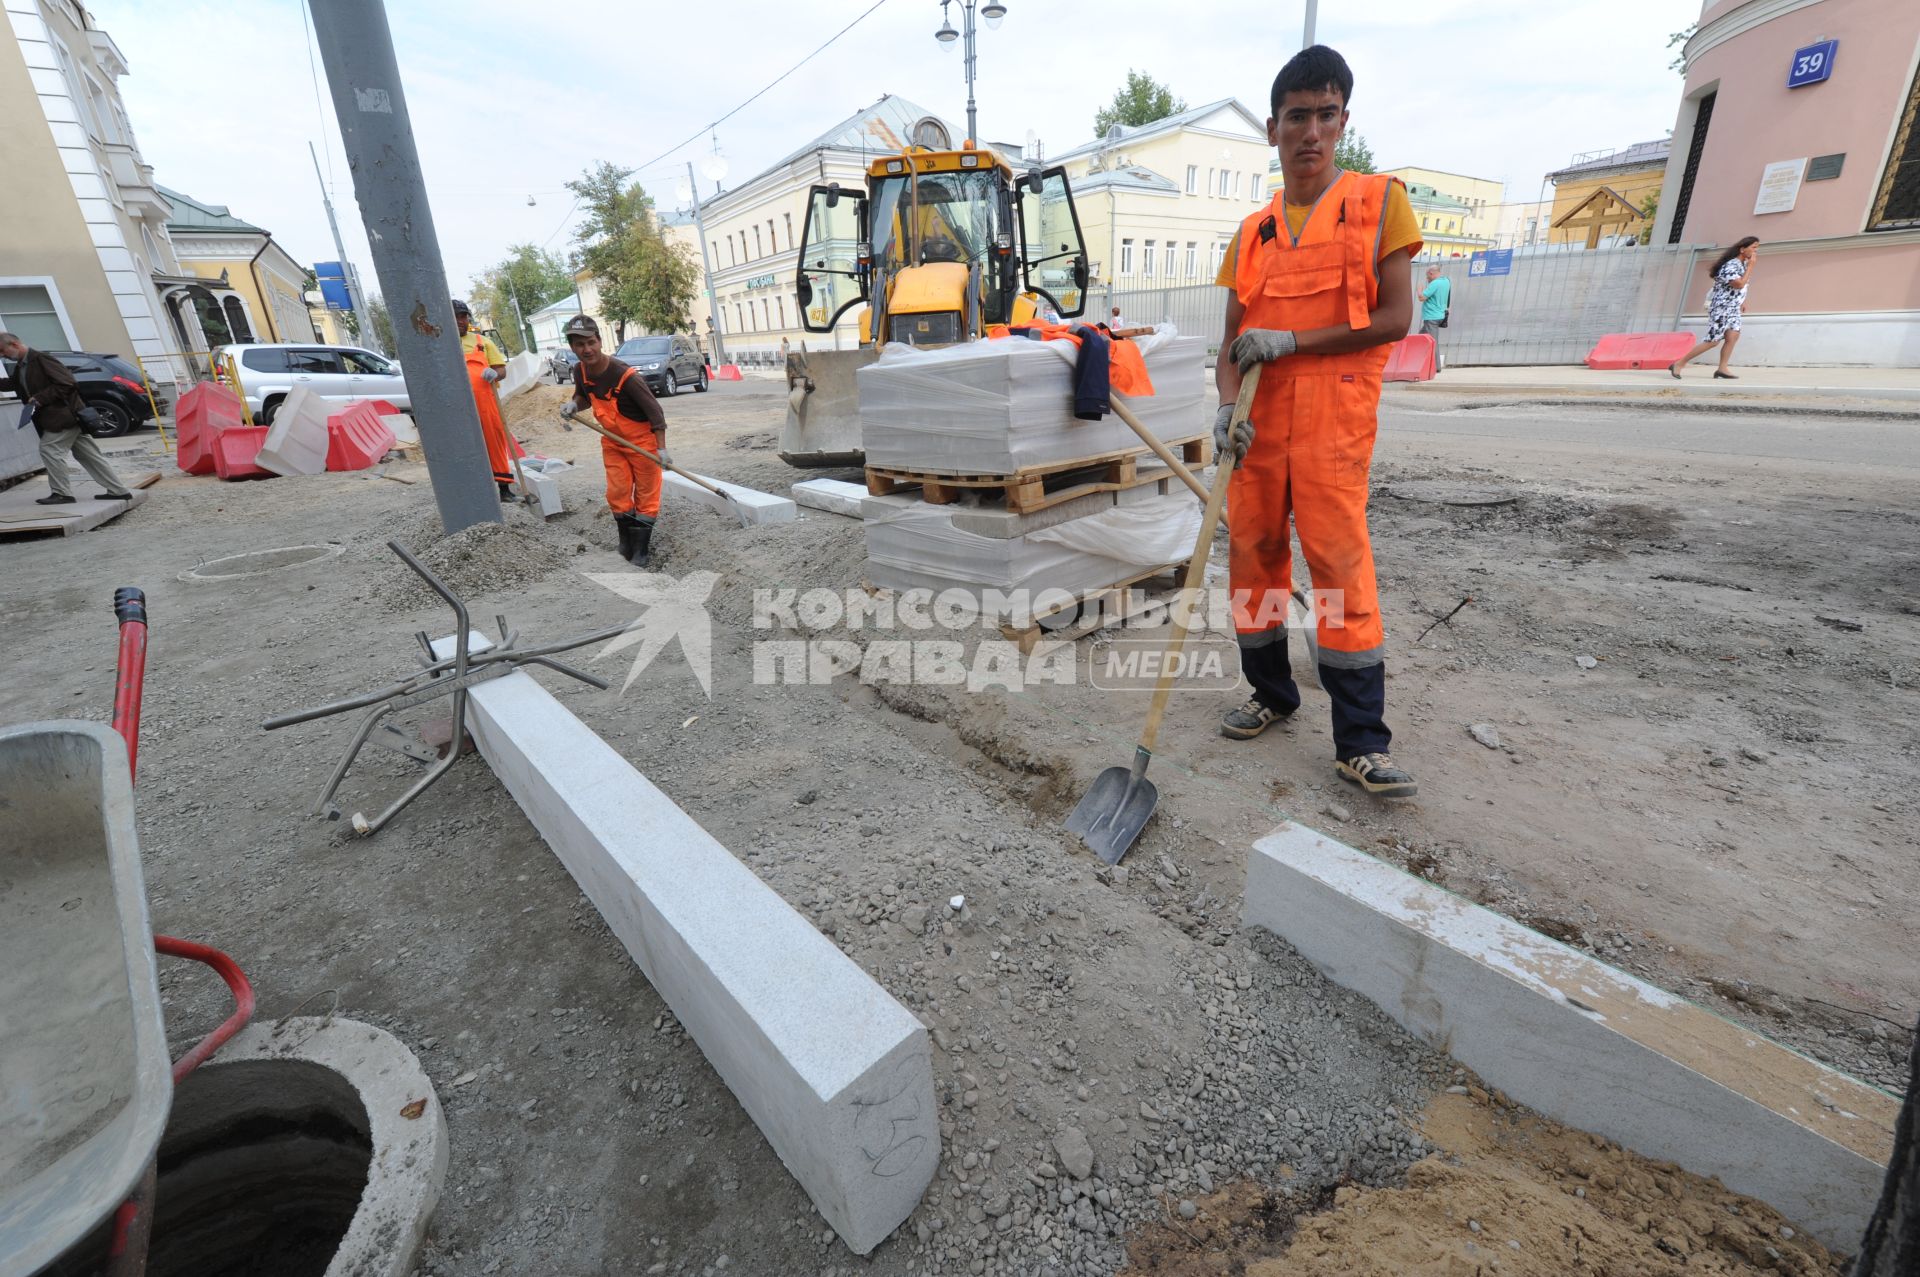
{"points": [[1320, 292], [485, 367], [1725, 301], [1436, 303], [622, 404], [52, 396]]}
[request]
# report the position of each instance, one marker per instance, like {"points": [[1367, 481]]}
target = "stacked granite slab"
{"points": [[1001, 407]]}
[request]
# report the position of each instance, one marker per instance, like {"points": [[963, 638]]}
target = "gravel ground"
{"points": [[1109, 1044]]}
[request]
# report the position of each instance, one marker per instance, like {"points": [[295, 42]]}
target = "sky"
{"points": [[224, 98]]}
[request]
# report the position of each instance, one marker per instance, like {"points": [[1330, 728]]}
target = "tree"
{"points": [[1680, 38], [1352, 153], [382, 324], [1142, 101], [645, 279], [534, 276], [1649, 209]]}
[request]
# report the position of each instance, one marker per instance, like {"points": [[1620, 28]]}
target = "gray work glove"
{"points": [[1260, 346], [491, 374], [568, 408], [1242, 438], [661, 452]]}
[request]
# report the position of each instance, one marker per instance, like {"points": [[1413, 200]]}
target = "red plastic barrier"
{"points": [[380, 406], [1639, 350], [724, 372], [1412, 359], [356, 437], [233, 452], [201, 412]]}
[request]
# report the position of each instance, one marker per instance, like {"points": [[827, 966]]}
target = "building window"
{"points": [[1209, 181], [1423, 223], [1193, 179], [1256, 188], [766, 316], [731, 259], [27, 311], [1219, 256], [739, 324], [715, 245], [1695, 148], [1236, 184], [789, 217], [1898, 205], [237, 320], [1223, 183], [780, 305], [1146, 259], [1193, 258], [757, 251], [1126, 257]]}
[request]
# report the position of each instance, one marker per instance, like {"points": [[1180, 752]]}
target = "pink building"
{"points": [[1798, 125]]}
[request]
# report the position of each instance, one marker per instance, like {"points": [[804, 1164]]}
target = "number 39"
{"points": [[1809, 64]]}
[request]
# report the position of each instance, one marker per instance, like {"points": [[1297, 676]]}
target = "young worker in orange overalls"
{"points": [[621, 403], [485, 367], [1321, 289]]}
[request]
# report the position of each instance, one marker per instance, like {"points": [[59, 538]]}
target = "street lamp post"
{"points": [[992, 11]]}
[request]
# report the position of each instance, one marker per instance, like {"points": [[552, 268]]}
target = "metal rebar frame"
{"points": [[453, 676]]}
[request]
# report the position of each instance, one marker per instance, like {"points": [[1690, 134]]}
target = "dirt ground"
{"points": [[1722, 801]]}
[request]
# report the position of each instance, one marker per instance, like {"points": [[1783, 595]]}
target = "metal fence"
{"points": [[1554, 305]]}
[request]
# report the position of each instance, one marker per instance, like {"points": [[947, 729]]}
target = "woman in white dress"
{"points": [[1727, 298]]}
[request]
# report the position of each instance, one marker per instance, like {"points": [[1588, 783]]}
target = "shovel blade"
{"points": [[1110, 817]]}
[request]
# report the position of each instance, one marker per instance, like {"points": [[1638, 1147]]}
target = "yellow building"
{"points": [[1480, 197], [256, 290], [1599, 197], [1444, 223]]}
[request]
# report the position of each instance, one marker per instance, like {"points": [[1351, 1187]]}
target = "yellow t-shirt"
{"points": [[1399, 230], [477, 340]]}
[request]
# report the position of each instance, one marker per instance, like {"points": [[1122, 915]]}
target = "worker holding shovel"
{"points": [[624, 407], [486, 367], [1321, 291]]}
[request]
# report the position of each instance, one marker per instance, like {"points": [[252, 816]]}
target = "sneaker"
{"points": [[54, 498], [1377, 774], [1249, 720], [113, 496]]}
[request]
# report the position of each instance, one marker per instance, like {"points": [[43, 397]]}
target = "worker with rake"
{"points": [[1321, 290], [623, 405]]}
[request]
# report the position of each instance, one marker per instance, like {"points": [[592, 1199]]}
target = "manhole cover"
{"points": [[1453, 494], [260, 562]]}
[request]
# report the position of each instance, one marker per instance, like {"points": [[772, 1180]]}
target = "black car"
{"points": [[670, 364], [110, 384]]}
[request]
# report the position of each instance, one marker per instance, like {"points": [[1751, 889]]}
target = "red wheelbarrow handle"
{"points": [[130, 605]]}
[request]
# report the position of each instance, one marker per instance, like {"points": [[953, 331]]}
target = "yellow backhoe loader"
{"points": [[940, 244]]}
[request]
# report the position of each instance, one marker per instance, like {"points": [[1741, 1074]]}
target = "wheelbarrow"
{"points": [[85, 1084]]}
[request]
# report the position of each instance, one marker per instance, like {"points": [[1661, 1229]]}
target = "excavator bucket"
{"points": [[823, 407]]}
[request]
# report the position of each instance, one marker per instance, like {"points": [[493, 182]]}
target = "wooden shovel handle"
{"points": [[695, 479], [1197, 565], [1160, 450]]}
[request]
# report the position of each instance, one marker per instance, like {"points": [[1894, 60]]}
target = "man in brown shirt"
{"points": [[622, 404], [48, 389]]}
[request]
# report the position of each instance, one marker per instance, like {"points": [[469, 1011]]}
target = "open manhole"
{"points": [[260, 562], [1437, 493]]}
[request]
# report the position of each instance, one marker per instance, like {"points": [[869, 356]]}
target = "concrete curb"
{"points": [[836, 1074], [760, 507], [1577, 1040]]}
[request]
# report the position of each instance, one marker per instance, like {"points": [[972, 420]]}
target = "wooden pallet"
{"points": [[19, 515], [1035, 488], [1093, 610]]}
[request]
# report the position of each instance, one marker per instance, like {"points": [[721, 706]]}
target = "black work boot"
{"points": [[623, 524], [506, 492], [642, 538]]}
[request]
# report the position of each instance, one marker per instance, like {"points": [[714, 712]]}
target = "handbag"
{"points": [[90, 420]]}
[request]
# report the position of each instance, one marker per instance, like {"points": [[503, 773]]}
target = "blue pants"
{"points": [[1359, 696]]}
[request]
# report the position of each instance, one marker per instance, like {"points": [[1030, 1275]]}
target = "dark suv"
{"points": [[670, 364], [111, 384]]}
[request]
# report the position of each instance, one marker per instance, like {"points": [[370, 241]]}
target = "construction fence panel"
{"points": [[1197, 310], [1559, 300]]}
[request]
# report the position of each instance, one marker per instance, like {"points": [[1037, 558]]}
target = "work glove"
{"points": [[568, 408], [491, 374], [661, 452], [1259, 346], [1242, 438]]}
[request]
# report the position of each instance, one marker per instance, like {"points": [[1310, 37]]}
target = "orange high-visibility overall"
{"points": [[493, 427], [633, 482], [1314, 420]]}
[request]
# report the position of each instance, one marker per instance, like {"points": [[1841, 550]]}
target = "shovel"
{"points": [[694, 479], [1111, 815]]}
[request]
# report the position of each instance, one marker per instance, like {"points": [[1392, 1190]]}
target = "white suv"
{"points": [[268, 374]]}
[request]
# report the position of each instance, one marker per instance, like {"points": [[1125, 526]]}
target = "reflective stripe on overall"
{"points": [[633, 482], [493, 427], [1314, 419]]}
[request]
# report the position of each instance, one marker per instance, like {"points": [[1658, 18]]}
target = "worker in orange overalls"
{"points": [[621, 403], [485, 367], [1322, 288]]}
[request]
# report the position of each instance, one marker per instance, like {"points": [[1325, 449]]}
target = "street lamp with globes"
{"points": [[993, 11]]}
